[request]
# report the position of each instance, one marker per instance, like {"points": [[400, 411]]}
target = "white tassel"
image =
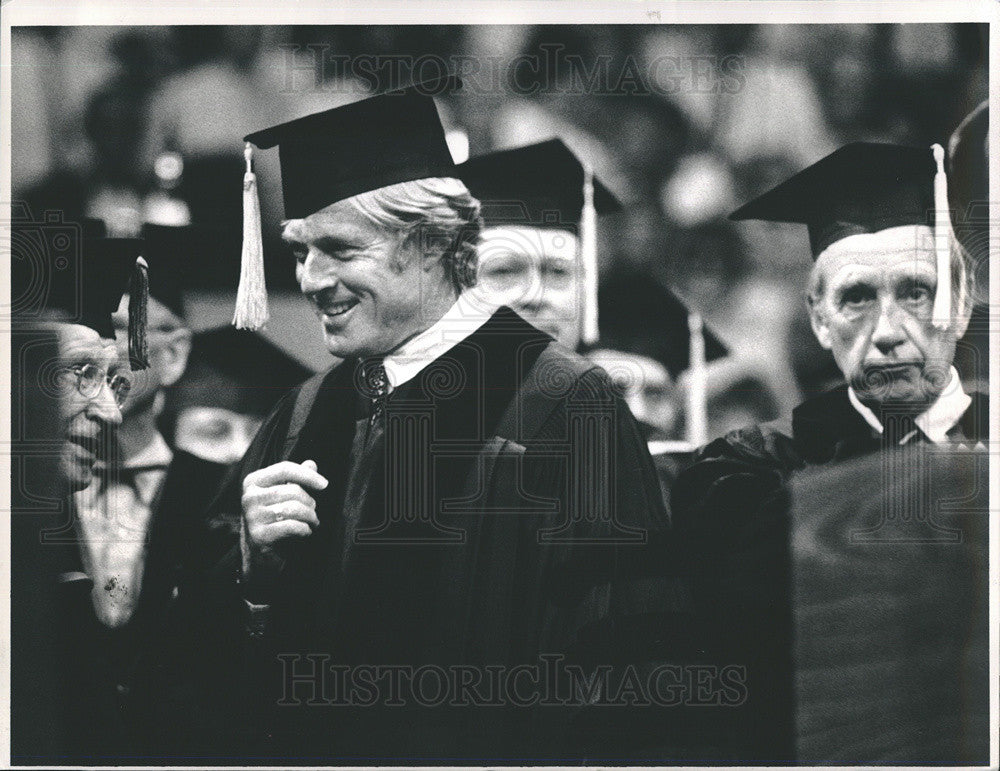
{"points": [[941, 313], [251, 298], [588, 258], [697, 405]]}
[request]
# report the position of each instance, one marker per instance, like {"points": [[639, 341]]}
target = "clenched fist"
{"points": [[276, 507]]}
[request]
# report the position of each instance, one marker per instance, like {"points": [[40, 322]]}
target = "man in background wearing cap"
{"points": [[533, 257], [535, 214], [889, 296], [232, 382], [421, 503]]}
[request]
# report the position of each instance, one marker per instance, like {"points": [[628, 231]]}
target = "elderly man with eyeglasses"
{"points": [[92, 394], [135, 517], [77, 282]]}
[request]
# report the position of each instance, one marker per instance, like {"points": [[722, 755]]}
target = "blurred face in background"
{"points": [[88, 419], [536, 272], [871, 307], [644, 384], [169, 346], [215, 433]]}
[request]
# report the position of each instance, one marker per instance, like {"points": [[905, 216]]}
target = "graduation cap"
{"points": [[865, 188], [539, 185], [236, 370], [81, 277], [171, 251], [644, 317], [336, 154], [545, 185], [640, 315], [91, 227]]}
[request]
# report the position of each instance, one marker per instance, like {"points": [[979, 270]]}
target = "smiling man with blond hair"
{"points": [[456, 491]]}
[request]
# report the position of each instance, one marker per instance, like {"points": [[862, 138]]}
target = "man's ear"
{"points": [[174, 352], [964, 315], [817, 319]]}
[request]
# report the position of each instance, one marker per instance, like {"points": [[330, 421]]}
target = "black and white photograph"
{"points": [[471, 384]]}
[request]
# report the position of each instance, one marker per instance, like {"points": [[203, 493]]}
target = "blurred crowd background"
{"points": [[683, 123]]}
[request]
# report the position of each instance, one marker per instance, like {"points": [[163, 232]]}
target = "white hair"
{"points": [[439, 211]]}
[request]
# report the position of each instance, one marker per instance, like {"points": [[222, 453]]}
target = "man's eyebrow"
{"points": [[332, 243], [327, 243], [852, 282], [79, 353], [504, 254]]}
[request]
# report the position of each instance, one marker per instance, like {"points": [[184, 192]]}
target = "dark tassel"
{"points": [[138, 302]]}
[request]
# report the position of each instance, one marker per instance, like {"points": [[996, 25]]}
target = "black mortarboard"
{"points": [[91, 227], [539, 185], [545, 185], [386, 139], [336, 154], [640, 315], [235, 370], [865, 188], [860, 188], [170, 252], [80, 279]]}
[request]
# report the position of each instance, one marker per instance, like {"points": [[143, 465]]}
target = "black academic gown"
{"points": [[112, 679], [478, 553], [731, 510]]}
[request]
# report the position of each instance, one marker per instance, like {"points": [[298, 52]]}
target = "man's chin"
{"points": [[338, 346], [77, 473], [341, 347], [898, 392]]}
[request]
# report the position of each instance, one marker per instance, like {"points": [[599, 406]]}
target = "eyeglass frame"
{"points": [[90, 392]]}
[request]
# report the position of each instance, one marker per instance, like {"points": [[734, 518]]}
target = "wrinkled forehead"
{"points": [[82, 345], [528, 242], [904, 248]]}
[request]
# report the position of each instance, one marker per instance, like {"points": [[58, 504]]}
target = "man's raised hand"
{"points": [[276, 508]]}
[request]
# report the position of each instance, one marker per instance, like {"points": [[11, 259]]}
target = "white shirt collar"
{"points": [[937, 420], [156, 453], [461, 320]]}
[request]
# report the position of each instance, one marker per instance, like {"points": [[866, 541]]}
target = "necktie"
{"points": [[375, 385], [902, 429]]}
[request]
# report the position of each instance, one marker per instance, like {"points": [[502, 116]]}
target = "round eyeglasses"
{"points": [[90, 378]]}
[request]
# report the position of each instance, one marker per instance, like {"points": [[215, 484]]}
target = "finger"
{"points": [[311, 464], [289, 510], [283, 472], [279, 531], [267, 496]]}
